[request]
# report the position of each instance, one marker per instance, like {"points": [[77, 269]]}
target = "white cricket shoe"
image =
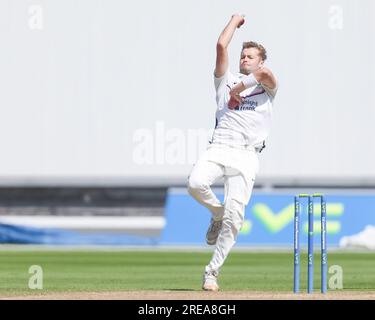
{"points": [[213, 231], [210, 281]]}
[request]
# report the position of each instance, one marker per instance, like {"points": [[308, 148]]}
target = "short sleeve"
{"points": [[219, 82], [271, 92]]}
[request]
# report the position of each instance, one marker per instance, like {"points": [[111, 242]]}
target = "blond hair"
{"points": [[253, 44]]}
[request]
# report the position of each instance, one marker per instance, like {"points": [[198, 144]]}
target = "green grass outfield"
{"points": [[117, 270]]}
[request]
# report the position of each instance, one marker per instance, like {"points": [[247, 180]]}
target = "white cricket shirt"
{"points": [[249, 123]]}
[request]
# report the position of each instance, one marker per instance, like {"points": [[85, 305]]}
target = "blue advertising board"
{"points": [[269, 218]]}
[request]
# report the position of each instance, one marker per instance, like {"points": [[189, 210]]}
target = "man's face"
{"points": [[250, 60]]}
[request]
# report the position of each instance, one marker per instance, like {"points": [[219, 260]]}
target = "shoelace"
{"points": [[211, 274], [215, 226]]}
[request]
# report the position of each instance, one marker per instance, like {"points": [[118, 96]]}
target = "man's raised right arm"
{"points": [[222, 44]]}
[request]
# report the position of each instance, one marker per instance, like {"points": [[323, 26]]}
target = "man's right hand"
{"points": [[239, 19]]}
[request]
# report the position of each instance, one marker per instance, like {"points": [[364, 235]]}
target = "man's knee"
{"points": [[196, 184]]}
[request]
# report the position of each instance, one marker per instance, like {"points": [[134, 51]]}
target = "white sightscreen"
{"points": [[124, 89]]}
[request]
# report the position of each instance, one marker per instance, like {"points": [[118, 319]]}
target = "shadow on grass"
{"points": [[180, 289]]}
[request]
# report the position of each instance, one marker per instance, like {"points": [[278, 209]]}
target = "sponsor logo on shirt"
{"points": [[247, 105]]}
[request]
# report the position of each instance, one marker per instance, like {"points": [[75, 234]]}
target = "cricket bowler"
{"points": [[243, 120]]}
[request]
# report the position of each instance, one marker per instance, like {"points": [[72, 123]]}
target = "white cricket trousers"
{"points": [[237, 192]]}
